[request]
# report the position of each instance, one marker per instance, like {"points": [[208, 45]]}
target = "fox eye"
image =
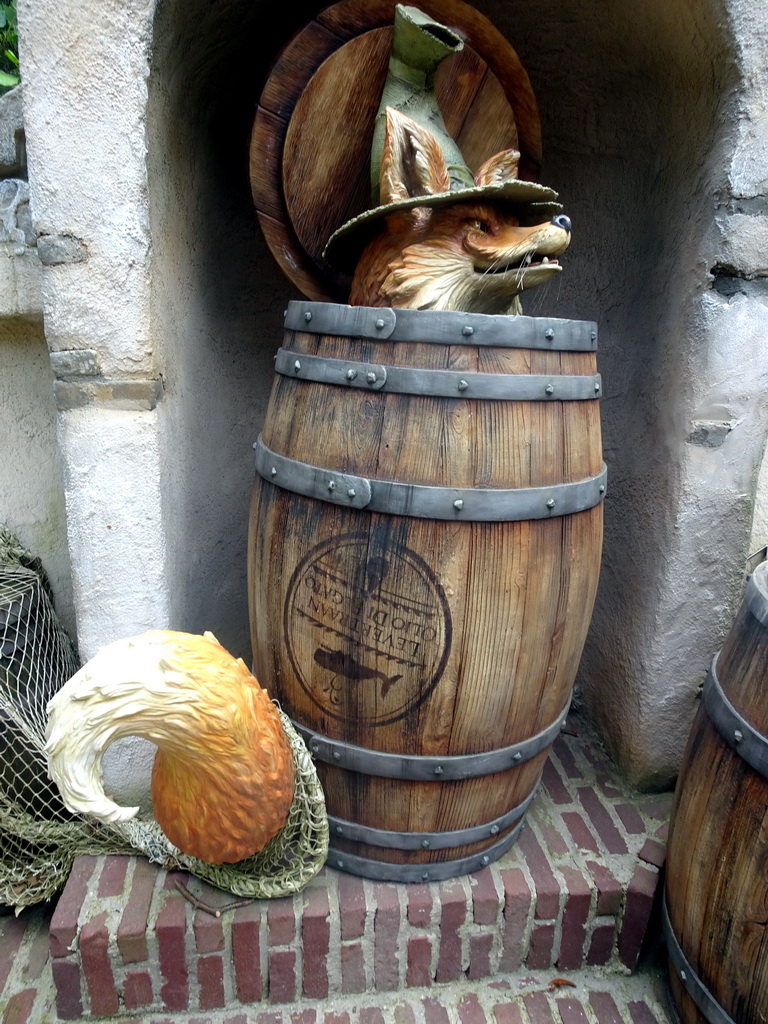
{"points": [[479, 225]]}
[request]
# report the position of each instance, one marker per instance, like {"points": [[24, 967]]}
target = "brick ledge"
{"points": [[577, 890]]}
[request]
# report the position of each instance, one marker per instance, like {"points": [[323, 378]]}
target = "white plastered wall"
{"points": [[84, 108], [163, 309], [31, 486]]}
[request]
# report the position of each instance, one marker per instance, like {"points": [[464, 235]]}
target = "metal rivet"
{"points": [[738, 735], [379, 324], [340, 864], [336, 755], [339, 830], [296, 366], [458, 504], [307, 316], [485, 860], [438, 770], [467, 330], [602, 488], [494, 829], [549, 334], [551, 503], [285, 313], [517, 756], [462, 385], [351, 374], [331, 485], [425, 844], [683, 976], [351, 492], [563, 724], [594, 335], [535, 795], [315, 749], [597, 385], [371, 377], [550, 389], [425, 875], [273, 471]]}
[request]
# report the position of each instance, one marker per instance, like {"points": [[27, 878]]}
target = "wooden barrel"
{"points": [[716, 905], [425, 543]]}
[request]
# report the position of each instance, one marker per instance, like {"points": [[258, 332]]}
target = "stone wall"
{"points": [[31, 484], [653, 121]]}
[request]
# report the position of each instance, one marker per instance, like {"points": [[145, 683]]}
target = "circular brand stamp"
{"points": [[368, 628]]}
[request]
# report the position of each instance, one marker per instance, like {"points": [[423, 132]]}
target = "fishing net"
{"points": [[39, 837]]}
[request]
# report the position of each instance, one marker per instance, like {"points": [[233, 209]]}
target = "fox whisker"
{"points": [[520, 276], [491, 269]]}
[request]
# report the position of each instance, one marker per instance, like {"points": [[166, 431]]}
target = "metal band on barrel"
{"points": [[742, 737], [437, 871], [442, 327], [428, 502], [756, 594], [403, 380], [694, 986], [342, 829], [427, 767]]}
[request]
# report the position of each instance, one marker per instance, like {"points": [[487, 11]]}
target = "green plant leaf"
{"points": [[8, 80]]}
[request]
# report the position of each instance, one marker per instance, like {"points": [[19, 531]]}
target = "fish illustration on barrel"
{"points": [[341, 664]]}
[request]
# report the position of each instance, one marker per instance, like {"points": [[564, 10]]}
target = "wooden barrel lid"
{"points": [[310, 146]]}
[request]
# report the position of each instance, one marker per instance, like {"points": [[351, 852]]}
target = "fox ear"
{"points": [[499, 168], [412, 163]]}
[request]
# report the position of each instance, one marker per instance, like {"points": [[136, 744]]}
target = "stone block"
{"points": [[13, 155]]}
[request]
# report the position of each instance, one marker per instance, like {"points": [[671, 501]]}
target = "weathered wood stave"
{"points": [[519, 593], [484, 93], [717, 883]]}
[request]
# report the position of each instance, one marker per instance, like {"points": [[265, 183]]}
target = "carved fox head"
{"points": [[464, 250]]}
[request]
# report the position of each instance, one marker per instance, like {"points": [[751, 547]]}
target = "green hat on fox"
{"points": [[419, 45]]}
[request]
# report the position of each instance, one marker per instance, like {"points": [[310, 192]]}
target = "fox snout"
{"points": [[476, 257], [499, 242]]}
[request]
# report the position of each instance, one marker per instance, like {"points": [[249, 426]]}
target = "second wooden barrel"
{"points": [[716, 912], [424, 552]]}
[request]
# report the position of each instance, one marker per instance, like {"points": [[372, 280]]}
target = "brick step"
{"points": [[590, 996], [577, 890], [528, 999]]}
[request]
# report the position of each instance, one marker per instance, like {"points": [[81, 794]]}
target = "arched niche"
{"points": [[638, 106]]}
